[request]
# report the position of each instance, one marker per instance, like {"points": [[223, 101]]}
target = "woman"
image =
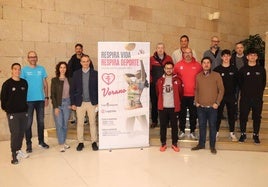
{"points": [[60, 87]]}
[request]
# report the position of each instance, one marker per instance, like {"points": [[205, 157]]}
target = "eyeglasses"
{"points": [[216, 41], [32, 56]]}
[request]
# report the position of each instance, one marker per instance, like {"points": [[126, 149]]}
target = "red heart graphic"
{"points": [[108, 78]]}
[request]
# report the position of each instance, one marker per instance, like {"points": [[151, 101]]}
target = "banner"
{"points": [[123, 70]]}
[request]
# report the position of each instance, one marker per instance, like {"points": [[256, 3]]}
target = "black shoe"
{"points": [[197, 147], [72, 121], [43, 145], [80, 147], [256, 139], [153, 125], [213, 150], [95, 146], [14, 159], [29, 149], [242, 138]]}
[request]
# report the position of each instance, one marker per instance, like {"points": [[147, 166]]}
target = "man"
{"points": [[169, 92], [208, 95], [177, 55], [73, 65], [157, 63], [228, 73], [252, 82], [84, 98], [187, 69], [238, 58], [37, 98], [14, 102], [214, 53]]}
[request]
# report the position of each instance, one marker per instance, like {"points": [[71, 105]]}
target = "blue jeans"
{"points": [[207, 115], [39, 107], [61, 121]]}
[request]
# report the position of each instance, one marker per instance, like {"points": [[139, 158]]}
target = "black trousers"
{"points": [[154, 99], [168, 115], [17, 125], [231, 112], [247, 104], [188, 102]]}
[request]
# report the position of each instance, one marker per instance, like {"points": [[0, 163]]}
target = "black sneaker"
{"points": [[213, 150], [14, 159], [80, 147], [198, 147], [43, 145], [256, 139], [95, 146], [29, 149], [242, 138]]}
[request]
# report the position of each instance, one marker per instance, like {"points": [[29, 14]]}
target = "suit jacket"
{"points": [[76, 92]]}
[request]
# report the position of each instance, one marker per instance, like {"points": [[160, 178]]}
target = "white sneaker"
{"points": [[193, 136], [233, 137], [62, 149], [181, 134], [21, 154], [66, 146]]}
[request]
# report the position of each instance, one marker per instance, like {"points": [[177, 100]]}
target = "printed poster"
{"points": [[123, 70]]}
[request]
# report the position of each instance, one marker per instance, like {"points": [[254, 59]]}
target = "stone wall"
{"points": [[258, 22], [52, 27]]}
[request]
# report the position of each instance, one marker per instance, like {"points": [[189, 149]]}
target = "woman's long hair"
{"points": [[58, 69]]}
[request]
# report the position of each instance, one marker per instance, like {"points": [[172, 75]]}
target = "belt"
{"points": [[205, 106]]}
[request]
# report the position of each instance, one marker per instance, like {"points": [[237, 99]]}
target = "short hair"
{"points": [[160, 43], [239, 43], [31, 52], [15, 64], [169, 63], [225, 52], [184, 36], [58, 69], [78, 45], [252, 51], [84, 55], [206, 58]]}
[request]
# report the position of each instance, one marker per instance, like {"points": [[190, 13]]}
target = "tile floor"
{"points": [[132, 168]]}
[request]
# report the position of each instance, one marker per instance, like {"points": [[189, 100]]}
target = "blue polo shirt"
{"points": [[35, 79]]}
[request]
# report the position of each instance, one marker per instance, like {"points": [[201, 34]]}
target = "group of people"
{"points": [[74, 87], [179, 83]]}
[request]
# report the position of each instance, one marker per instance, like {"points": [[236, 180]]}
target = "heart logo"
{"points": [[108, 78]]}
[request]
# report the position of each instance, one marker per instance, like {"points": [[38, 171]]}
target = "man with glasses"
{"points": [[169, 90], [37, 98], [214, 53]]}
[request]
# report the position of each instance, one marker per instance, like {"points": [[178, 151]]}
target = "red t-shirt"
{"points": [[187, 72]]}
